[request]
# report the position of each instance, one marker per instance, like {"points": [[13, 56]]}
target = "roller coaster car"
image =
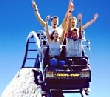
{"points": [[70, 76], [76, 74]]}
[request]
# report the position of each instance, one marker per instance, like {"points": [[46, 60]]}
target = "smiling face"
{"points": [[55, 35], [73, 22], [75, 34], [54, 21]]}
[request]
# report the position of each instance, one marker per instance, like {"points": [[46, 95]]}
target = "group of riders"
{"points": [[67, 32]]}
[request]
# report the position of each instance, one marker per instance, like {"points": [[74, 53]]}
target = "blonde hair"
{"points": [[75, 20]]}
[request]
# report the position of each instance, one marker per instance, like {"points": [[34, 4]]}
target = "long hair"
{"points": [[75, 19], [51, 36]]}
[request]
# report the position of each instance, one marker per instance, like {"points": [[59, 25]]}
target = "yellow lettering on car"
{"points": [[62, 75], [74, 75], [67, 75]]}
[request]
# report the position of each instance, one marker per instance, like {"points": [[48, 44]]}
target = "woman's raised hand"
{"points": [[34, 4], [71, 6]]}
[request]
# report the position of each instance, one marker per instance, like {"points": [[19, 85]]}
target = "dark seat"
{"points": [[46, 57], [77, 61]]}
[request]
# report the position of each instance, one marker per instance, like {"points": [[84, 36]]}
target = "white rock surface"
{"points": [[22, 85]]}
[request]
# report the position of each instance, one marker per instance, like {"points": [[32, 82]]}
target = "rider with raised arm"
{"points": [[74, 44], [74, 40], [54, 45], [54, 19], [74, 22]]}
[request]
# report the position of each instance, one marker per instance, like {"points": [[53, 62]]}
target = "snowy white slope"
{"points": [[22, 85]]}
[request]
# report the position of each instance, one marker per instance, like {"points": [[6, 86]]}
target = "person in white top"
{"points": [[54, 19]]}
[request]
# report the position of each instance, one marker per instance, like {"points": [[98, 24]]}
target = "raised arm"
{"points": [[68, 13], [47, 33], [63, 35], [38, 14], [90, 22], [68, 30], [80, 25]]}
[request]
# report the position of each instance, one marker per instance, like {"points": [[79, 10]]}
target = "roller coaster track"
{"points": [[32, 39]]}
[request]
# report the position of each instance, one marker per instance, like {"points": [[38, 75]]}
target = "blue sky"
{"points": [[17, 20]]}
